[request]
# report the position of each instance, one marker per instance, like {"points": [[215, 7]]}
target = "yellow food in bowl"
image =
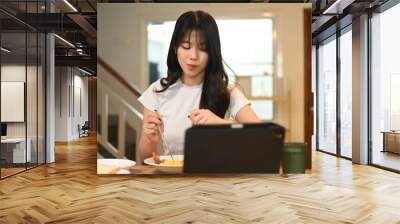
{"points": [[172, 163]]}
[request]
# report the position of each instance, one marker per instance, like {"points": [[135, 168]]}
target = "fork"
{"points": [[165, 145], [163, 139]]}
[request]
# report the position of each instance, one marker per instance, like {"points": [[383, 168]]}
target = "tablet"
{"points": [[236, 148]]}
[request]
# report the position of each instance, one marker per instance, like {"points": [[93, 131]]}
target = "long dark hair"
{"points": [[215, 95]]}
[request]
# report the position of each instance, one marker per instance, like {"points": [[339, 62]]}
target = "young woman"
{"points": [[195, 91]]}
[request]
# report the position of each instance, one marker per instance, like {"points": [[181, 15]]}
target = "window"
{"points": [[250, 64], [22, 68], [385, 88], [346, 94], [327, 96]]}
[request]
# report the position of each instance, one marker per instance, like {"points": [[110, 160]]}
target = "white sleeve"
{"points": [[149, 97], [238, 101]]}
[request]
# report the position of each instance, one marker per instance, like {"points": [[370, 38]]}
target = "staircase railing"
{"points": [[118, 114]]}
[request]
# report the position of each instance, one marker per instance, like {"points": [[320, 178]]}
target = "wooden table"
{"points": [[146, 169]]}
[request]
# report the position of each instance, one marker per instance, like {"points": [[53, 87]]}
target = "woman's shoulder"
{"points": [[232, 87], [237, 91], [157, 85]]}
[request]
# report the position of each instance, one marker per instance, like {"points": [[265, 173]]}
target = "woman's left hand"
{"points": [[205, 116]]}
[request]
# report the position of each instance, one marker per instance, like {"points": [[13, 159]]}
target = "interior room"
{"points": [[22, 101], [72, 72], [267, 66]]}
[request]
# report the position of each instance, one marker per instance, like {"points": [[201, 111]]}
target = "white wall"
{"points": [[61, 104], [70, 84], [12, 100], [81, 84], [124, 47], [13, 73], [33, 126]]}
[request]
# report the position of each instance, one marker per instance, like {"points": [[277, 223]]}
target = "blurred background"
{"points": [[258, 48]]}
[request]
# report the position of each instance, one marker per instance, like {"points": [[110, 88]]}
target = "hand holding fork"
{"points": [[165, 144]]}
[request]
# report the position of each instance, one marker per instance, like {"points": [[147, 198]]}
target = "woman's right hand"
{"points": [[151, 123]]}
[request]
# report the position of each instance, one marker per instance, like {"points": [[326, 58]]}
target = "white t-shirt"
{"points": [[177, 102]]}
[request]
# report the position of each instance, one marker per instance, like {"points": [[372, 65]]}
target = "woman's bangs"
{"points": [[186, 32]]}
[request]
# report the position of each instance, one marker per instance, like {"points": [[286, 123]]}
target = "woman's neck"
{"points": [[192, 81]]}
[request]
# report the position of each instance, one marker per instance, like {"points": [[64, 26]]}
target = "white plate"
{"points": [[113, 166], [165, 168], [121, 163]]}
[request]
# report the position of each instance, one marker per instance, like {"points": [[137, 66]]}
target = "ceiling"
{"points": [[76, 22]]}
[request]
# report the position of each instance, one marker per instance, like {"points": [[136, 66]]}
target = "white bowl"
{"points": [[114, 166], [166, 168]]}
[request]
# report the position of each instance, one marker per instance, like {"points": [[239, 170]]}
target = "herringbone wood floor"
{"points": [[69, 191]]}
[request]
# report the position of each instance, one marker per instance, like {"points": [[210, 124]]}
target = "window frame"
{"points": [[334, 37]]}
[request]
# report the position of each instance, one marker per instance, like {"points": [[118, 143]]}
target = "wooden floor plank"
{"points": [[70, 191]]}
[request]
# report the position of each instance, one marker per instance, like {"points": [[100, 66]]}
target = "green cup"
{"points": [[294, 158]]}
